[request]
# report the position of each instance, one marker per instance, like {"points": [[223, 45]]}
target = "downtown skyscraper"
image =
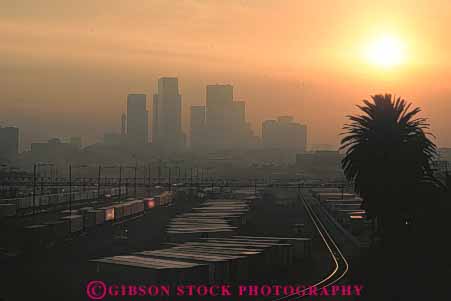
{"points": [[167, 132], [137, 119], [221, 124]]}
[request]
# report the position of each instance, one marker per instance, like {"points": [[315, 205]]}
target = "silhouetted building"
{"points": [[9, 143], [137, 119], [226, 120], [219, 103], [167, 116], [320, 161], [53, 150], [123, 125], [198, 127], [284, 134], [155, 119]]}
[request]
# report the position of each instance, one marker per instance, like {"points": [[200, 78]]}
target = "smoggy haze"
{"points": [[66, 67]]}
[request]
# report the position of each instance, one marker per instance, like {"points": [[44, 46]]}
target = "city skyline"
{"points": [[63, 64], [224, 120]]}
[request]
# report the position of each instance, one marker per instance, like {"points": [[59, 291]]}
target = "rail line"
{"points": [[340, 262]]}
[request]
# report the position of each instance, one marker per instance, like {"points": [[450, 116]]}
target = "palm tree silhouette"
{"points": [[388, 158]]}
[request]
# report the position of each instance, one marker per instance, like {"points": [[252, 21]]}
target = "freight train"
{"points": [[9, 207], [88, 218]]}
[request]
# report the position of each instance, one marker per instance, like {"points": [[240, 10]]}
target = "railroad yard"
{"points": [[185, 236]]}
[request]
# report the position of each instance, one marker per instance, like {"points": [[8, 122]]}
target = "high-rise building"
{"points": [[219, 105], [54, 150], [155, 119], [219, 102], [226, 119], [9, 143], [137, 119], [284, 134], [198, 127], [123, 125], [167, 116]]}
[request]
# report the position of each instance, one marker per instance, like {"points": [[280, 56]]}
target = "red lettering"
{"points": [[358, 290], [132, 290], [335, 289], [113, 290], [265, 290], [242, 289], [180, 291], [346, 290], [225, 290], [141, 290], [312, 291], [253, 290]]}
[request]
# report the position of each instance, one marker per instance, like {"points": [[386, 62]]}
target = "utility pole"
{"points": [[70, 196], [98, 182], [149, 167], [159, 175], [120, 181], [34, 189], [169, 179], [136, 167]]}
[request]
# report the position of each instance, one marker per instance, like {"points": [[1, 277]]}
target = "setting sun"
{"points": [[386, 52]]}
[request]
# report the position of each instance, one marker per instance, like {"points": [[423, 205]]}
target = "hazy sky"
{"points": [[66, 66]]}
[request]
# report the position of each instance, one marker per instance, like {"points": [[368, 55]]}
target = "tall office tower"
{"points": [[167, 118], [9, 143], [219, 105], [137, 119], [198, 137], [237, 127], [123, 124], [284, 134], [155, 119]]}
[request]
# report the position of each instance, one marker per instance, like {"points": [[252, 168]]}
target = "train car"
{"points": [[94, 217], [151, 270], [53, 199], [119, 211], [7, 210], [149, 203], [356, 223], [59, 228], [108, 213], [219, 264], [43, 200], [26, 202], [137, 207], [334, 196], [165, 198], [35, 236], [76, 222], [70, 212]]}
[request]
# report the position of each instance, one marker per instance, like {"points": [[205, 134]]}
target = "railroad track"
{"points": [[341, 265]]}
